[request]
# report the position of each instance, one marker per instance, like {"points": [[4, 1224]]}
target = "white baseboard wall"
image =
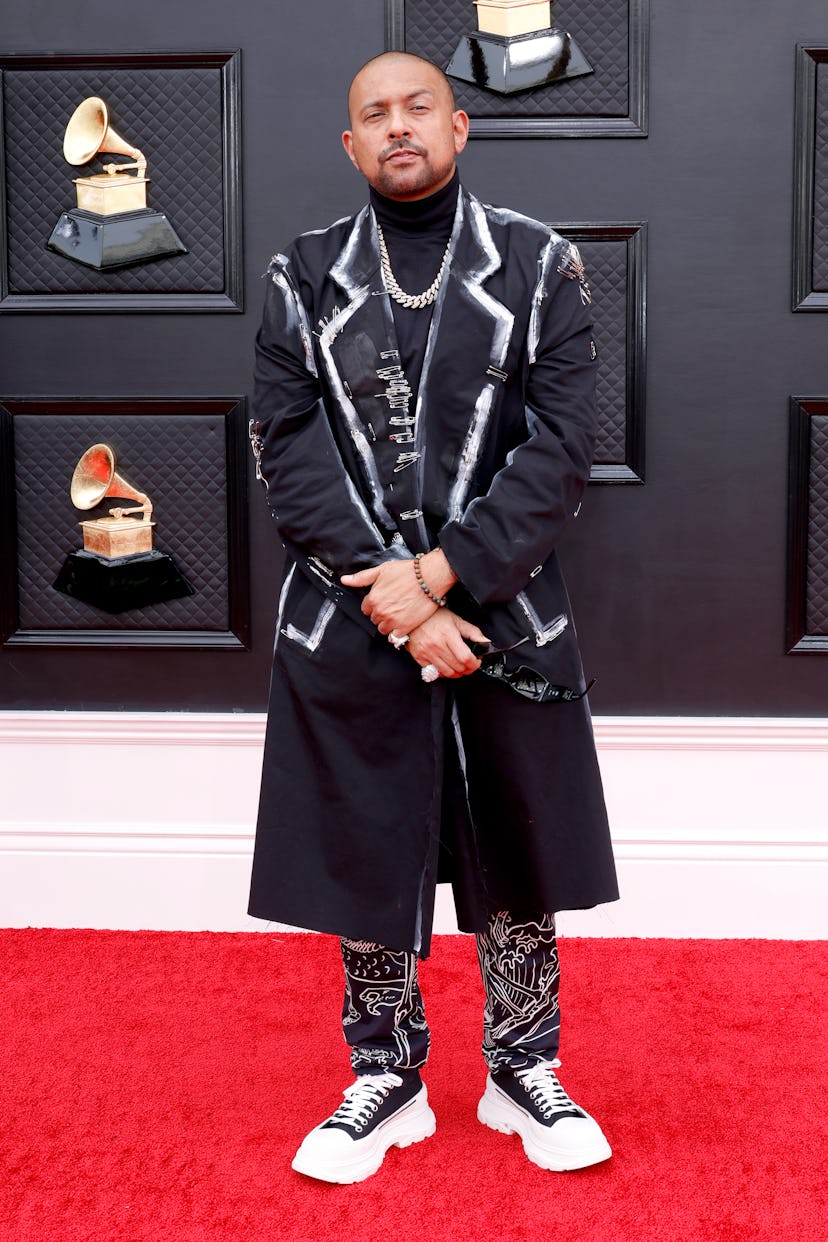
{"points": [[145, 820]]}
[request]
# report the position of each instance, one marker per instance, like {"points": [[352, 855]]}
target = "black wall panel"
{"points": [[679, 585], [808, 527], [185, 108]]}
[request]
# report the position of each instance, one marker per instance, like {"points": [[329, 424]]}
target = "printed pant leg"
{"points": [[519, 965], [383, 1019]]}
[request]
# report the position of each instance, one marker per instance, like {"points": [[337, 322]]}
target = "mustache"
{"points": [[401, 144]]}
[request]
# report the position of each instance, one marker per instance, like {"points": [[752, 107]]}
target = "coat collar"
{"points": [[473, 259], [473, 253]]}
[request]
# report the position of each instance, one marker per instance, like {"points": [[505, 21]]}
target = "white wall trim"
{"points": [[133, 728], [729, 733], [750, 733], [237, 839], [140, 819]]}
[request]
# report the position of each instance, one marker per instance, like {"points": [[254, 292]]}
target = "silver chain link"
{"points": [[414, 301]]}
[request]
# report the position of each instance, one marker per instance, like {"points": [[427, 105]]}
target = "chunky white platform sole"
{"points": [[333, 1156], [571, 1143]]}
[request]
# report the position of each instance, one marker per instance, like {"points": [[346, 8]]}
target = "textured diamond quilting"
{"points": [[178, 460], [820, 270], [599, 27], [817, 580], [173, 115], [606, 270]]}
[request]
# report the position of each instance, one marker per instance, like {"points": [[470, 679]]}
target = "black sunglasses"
{"points": [[526, 681]]}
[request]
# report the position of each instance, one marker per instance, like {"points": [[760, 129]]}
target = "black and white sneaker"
{"points": [[556, 1133], [379, 1111]]}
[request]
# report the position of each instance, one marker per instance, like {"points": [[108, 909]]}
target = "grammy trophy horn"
{"points": [[89, 132], [95, 478]]}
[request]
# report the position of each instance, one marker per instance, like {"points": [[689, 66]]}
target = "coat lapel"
{"points": [[361, 355], [356, 342], [464, 374]]}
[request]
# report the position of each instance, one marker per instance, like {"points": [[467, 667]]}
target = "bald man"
{"points": [[424, 420]]}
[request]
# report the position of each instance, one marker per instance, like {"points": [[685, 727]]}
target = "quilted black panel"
{"points": [[606, 272], [173, 115], [820, 269], [179, 460], [817, 589], [599, 27]]}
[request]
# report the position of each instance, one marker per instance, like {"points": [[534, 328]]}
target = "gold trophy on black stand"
{"points": [[117, 568], [112, 226], [516, 48]]}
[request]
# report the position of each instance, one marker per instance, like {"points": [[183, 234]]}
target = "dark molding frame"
{"points": [[633, 125], [635, 235], [797, 640], [237, 637], [805, 297], [231, 297]]}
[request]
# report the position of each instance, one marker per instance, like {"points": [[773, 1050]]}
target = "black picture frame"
{"points": [[134, 292], [807, 525], [515, 124], [229, 412], [810, 178], [629, 465]]}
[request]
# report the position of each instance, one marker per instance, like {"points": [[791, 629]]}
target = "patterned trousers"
{"points": [[383, 1017]]}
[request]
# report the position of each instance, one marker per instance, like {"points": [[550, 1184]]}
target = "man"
{"points": [[424, 420]]}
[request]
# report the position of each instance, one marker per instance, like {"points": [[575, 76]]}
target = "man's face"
{"points": [[404, 134]]}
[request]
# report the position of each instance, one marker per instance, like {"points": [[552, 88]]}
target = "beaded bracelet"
{"points": [[423, 585]]}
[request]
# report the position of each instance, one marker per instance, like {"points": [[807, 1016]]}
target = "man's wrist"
{"points": [[437, 572]]}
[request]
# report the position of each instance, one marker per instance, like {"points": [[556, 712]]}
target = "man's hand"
{"points": [[439, 641], [395, 600]]}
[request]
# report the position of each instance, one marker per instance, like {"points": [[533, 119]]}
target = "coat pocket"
{"points": [[306, 616], [543, 631]]}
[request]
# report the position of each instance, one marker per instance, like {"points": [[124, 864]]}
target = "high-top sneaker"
{"points": [[556, 1133], [379, 1111]]}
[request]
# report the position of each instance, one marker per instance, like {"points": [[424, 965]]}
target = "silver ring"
{"points": [[398, 640], [429, 672]]}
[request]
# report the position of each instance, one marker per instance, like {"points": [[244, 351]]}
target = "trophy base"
{"points": [[112, 538], [111, 195], [508, 63], [119, 585], [109, 242]]}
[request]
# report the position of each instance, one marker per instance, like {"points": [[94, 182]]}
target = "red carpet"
{"points": [[154, 1087]]}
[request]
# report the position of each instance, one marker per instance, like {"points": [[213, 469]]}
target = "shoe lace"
{"points": [[363, 1098], [542, 1084]]}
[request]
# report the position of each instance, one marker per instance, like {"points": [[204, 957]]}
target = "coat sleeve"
{"points": [[310, 493], [512, 529]]}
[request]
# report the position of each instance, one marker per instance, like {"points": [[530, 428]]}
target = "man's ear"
{"points": [[460, 123], [348, 144]]}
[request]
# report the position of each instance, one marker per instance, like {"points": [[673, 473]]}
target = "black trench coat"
{"points": [[366, 768]]}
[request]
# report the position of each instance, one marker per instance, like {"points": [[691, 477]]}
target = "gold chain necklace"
{"points": [[414, 301]]}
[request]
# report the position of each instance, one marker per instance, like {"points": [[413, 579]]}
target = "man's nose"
{"points": [[398, 126]]}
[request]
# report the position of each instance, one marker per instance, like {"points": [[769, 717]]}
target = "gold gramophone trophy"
{"points": [[112, 226], [516, 48], [117, 568]]}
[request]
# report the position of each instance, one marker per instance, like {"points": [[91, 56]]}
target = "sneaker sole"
{"points": [[499, 1112], [410, 1125]]}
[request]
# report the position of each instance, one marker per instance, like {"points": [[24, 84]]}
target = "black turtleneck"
{"points": [[416, 234]]}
